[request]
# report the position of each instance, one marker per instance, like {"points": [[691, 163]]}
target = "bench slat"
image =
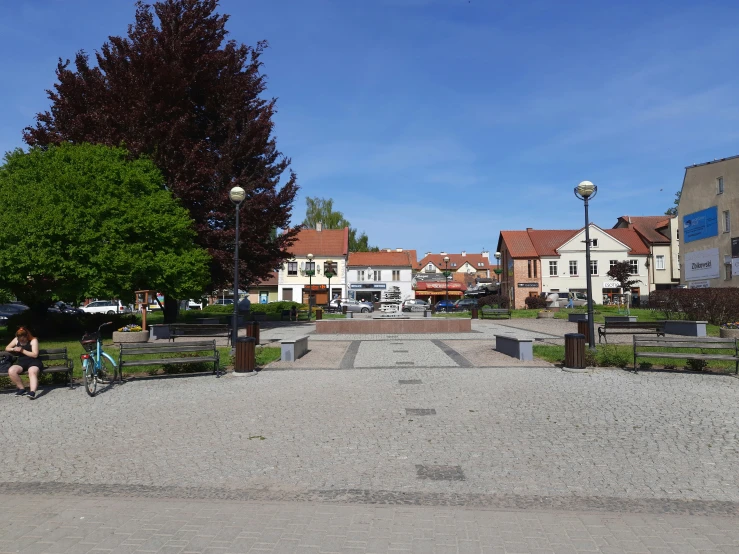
{"points": [[166, 350], [687, 355], [684, 344], [163, 361], [696, 339]]}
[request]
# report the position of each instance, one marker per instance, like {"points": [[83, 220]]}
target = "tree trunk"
{"points": [[171, 309]]}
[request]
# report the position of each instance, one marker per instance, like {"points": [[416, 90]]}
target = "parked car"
{"points": [[415, 305], [60, 307], [465, 304], [192, 305], [355, 306], [562, 299], [223, 302], [7, 310], [445, 306], [106, 307]]}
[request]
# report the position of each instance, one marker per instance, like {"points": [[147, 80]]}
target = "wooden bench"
{"points": [[631, 328], [678, 346], [199, 330], [131, 354], [494, 312], [292, 349], [55, 360]]}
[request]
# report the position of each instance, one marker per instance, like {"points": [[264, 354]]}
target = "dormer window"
{"points": [[454, 264], [594, 243]]}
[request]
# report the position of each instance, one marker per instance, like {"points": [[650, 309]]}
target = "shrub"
{"points": [[54, 325], [535, 303], [715, 305], [496, 300]]}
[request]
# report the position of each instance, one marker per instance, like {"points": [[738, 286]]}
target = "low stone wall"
{"points": [[393, 326]]}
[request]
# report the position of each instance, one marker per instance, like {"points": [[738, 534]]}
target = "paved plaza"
{"points": [[463, 456]]}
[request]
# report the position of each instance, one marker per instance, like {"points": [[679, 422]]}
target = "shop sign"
{"points": [[611, 285], [700, 225], [314, 287], [698, 285], [702, 264], [529, 285], [367, 286]]}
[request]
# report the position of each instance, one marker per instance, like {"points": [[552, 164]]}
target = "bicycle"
{"points": [[95, 362]]}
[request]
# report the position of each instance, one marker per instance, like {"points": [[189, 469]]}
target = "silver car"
{"points": [[415, 305], [355, 306]]}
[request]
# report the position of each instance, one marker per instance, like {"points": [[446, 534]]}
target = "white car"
{"points": [[105, 307], [192, 305]]}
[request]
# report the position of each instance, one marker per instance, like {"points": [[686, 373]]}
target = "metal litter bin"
{"points": [[343, 309], [245, 358], [575, 350], [319, 314], [474, 312]]}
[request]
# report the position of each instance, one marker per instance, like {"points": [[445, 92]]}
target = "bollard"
{"points": [[474, 312], [584, 329], [319, 314], [575, 350], [252, 330], [245, 358], [343, 309]]}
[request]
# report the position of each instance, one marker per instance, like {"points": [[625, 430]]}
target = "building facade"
{"points": [[660, 234], [708, 220], [329, 249], [369, 274], [536, 261], [463, 264]]}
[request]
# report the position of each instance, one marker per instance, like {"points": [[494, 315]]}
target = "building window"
{"points": [[634, 267], [396, 275], [454, 264], [552, 268], [529, 261], [659, 262], [728, 271], [612, 264], [430, 268], [360, 275], [333, 267], [310, 266], [720, 185], [593, 267], [594, 243], [377, 275], [287, 294], [535, 270], [727, 222], [573, 267], [292, 269]]}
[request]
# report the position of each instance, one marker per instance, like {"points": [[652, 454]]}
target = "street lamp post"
{"points": [[328, 273], [498, 272], [310, 272], [585, 191], [237, 195], [446, 282]]}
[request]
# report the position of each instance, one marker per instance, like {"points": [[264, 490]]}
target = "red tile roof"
{"points": [[472, 259], [646, 226], [270, 281], [381, 259], [534, 243], [328, 242]]}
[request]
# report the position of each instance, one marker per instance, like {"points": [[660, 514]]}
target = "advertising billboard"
{"points": [[700, 225], [702, 264]]}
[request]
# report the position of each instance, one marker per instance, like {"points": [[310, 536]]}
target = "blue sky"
{"points": [[434, 124]]}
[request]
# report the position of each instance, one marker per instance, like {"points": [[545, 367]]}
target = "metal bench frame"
{"points": [[56, 360]]}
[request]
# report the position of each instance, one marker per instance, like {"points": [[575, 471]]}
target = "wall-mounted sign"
{"points": [[529, 285], [367, 286], [611, 285], [702, 264], [700, 225], [698, 285]]}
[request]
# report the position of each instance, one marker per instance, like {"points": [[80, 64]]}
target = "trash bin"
{"points": [[245, 358], [583, 327], [343, 309], [319, 314], [252, 330], [474, 312], [575, 350]]}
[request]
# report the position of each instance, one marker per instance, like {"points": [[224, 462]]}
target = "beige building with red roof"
{"points": [[535, 261], [468, 263], [316, 250], [659, 234], [369, 274]]}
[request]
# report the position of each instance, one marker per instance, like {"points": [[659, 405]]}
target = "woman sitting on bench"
{"points": [[25, 347]]}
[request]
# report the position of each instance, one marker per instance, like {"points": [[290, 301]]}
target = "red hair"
{"points": [[23, 331]]}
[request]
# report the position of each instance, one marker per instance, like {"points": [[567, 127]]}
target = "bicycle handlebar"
{"points": [[105, 325]]}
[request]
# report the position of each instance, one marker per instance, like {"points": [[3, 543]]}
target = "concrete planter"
{"points": [[136, 336], [577, 317], [620, 318], [545, 315], [685, 328], [159, 331], [729, 333]]}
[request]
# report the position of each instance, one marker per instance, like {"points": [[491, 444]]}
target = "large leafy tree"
{"points": [[621, 272], [321, 210], [87, 221], [673, 209], [176, 90]]}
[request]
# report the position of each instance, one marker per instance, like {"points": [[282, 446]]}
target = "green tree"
{"points": [[321, 210], [621, 272], [88, 221], [673, 210]]}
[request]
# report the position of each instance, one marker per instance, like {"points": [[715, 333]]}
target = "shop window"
{"points": [[720, 185], [360, 275], [573, 268], [292, 269], [634, 267], [659, 262], [377, 275], [593, 267], [552, 268]]}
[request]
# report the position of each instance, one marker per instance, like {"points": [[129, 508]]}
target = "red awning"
{"points": [[435, 286]]}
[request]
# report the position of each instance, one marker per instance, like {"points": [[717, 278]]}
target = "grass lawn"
{"points": [[267, 354]]}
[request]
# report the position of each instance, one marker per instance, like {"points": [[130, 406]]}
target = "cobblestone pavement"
{"points": [[416, 459]]}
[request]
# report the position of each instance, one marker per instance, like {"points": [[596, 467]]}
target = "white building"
{"points": [[369, 274]]}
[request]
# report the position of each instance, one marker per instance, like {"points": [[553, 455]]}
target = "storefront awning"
{"points": [[438, 293], [423, 286]]}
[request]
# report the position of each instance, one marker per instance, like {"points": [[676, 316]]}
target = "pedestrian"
{"points": [[571, 301], [294, 313], [25, 347], [338, 304]]}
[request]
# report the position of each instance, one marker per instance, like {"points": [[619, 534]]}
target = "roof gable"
{"points": [[328, 242], [380, 259]]}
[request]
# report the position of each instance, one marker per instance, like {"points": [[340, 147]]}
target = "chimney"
{"points": [[442, 253], [486, 254], [464, 253], [319, 226], [427, 254], [398, 249], [529, 229], [388, 250]]}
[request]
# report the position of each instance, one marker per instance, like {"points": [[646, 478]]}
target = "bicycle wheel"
{"points": [[105, 371], [88, 372]]}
